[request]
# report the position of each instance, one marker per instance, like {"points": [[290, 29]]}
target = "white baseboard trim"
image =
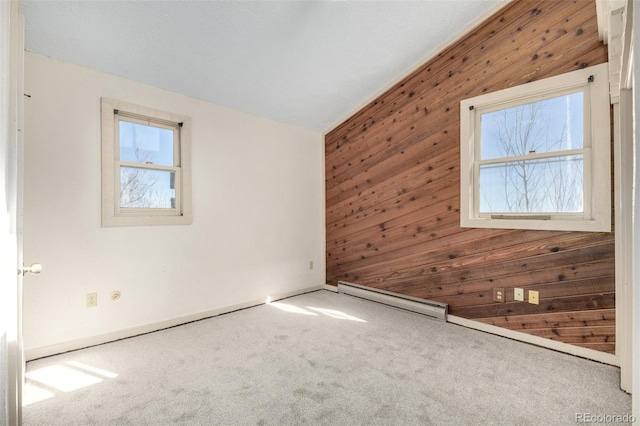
{"points": [[35, 353], [592, 354]]}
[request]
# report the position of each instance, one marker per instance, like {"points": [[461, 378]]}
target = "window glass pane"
{"points": [[543, 185], [146, 144], [550, 125], [145, 188]]}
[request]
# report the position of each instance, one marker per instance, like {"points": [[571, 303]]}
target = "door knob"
{"points": [[34, 268]]}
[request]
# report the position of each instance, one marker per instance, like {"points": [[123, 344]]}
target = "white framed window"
{"points": [[538, 156], [146, 177]]}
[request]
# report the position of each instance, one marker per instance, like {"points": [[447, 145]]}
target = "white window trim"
{"points": [[597, 215], [112, 215]]}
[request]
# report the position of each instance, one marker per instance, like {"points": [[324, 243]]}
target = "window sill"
{"points": [[602, 225], [138, 220]]}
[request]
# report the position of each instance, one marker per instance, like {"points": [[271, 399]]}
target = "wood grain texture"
{"points": [[393, 188]]}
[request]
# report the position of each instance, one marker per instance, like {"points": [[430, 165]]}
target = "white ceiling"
{"points": [[306, 63]]}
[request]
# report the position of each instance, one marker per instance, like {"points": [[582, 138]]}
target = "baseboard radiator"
{"points": [[414, 304]]}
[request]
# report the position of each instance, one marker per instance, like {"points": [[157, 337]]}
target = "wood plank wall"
{"points": [[393, 188]]}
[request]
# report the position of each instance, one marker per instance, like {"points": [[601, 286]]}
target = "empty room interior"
{"points": [[318, 212]]}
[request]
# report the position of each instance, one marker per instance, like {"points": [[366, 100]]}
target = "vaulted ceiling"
{"points": [[305, 63]]}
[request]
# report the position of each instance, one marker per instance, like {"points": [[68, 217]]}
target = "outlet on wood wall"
{"points": [[393, 188]]}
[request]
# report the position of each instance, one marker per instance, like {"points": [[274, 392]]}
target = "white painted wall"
{"points": [[258, 216]]}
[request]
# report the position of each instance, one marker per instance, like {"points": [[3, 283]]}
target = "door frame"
{"points": [[12, 72], [615, 18]]}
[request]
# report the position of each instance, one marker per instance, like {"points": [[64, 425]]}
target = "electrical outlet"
{"points": [[498, 295], [115, 295], [534, 297], [92, 300], [518, 294]]}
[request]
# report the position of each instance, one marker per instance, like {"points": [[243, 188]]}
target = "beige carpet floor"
{"points": [[319, 359]]}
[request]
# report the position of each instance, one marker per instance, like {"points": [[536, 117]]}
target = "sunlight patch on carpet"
{"points": [[43, 382], [32, 394], [99, 371], [290, 308], [62, 378], [336, 314]]}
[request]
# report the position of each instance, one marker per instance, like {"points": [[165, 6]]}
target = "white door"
{"points": [[11, 104]]}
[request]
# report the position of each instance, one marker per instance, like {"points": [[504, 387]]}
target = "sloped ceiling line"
{"points": [[305, 63]]}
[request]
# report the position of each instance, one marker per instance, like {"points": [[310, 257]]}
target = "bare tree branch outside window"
{"points": [[145, 187], [530, 183]]}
